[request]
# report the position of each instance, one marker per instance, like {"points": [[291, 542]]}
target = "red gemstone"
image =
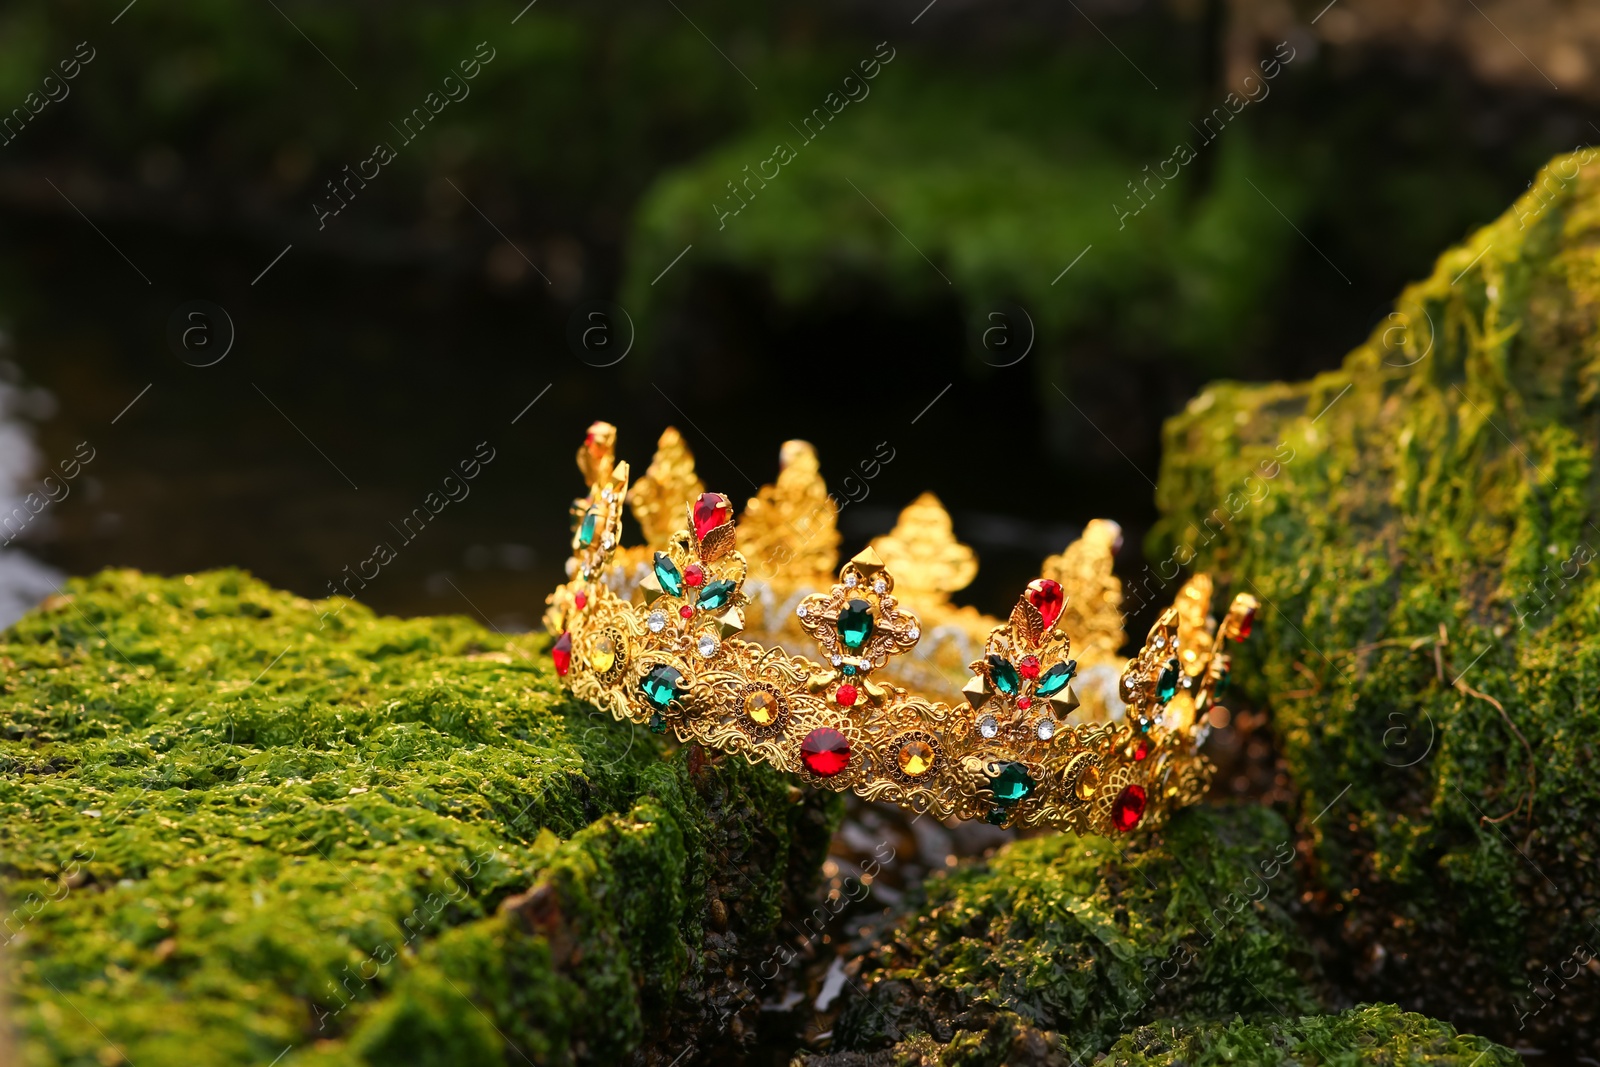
{"points": [[846, 695], [1024, 703], [825, 751], [710, 511], [1128, 808], [686, 612], [1028, 667], [1046, 595], [1141, 749], [694, 574], [581, 600], [561, 652], [1247, 622]]}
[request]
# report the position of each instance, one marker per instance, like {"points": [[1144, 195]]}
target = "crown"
{"points": [[688, 634]]}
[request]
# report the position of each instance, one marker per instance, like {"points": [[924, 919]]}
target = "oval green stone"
{"points": [[667, 574], [1011, 783], [716, 594], [1167, 681], [1004, 675], [1056, 678], [662, 685], [855, 625]]}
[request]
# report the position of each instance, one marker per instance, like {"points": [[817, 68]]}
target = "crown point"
{"points": [[867, 561], [730, 622], [976, 691]]}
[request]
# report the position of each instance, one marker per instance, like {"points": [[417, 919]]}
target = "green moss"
{"points": [[233, 824], [1081, 941], [1371, 1034], [1420, 525]]}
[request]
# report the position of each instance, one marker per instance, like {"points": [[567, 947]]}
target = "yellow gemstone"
{"points": [[1088, 782], [761, 706], [604, 655], [916, 757]]}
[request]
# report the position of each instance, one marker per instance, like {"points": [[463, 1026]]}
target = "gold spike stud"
{"points": [[1065, 702], [977, 691], [867, 562], [650, 585], [730, 622]]}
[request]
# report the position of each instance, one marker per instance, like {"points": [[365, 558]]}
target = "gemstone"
{"points": [[580, 600], [1004, 675], [800, 611], [825, 751], [710, 511], [880, 587], [848, 669], [761, 706], [707, 646], [657, 622], [855, 624], [837, 660], [603, 656], [1046, 595], [1247, 622], [661, 685], [914, 633], [1128, 808], [694, 574], [1010, 783], [1141, 749], [658, 723], [997, 816], [1167, 681], [1088, 783], [586, 528], [1056, 678], [988, 727], [850, 581], [1046, 729], [916, 757], [561, 652], [845, 696], [716, 595], [1160, 641], [608, 543], [1028, 667], [667, 574], [1024, 703], [686, 612]]}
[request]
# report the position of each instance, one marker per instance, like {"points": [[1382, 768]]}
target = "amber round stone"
{"points": [[761, 706], [916, 758], [603, 656], [1088, 783]]}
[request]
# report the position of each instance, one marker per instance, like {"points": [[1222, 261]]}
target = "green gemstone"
{"points": [[667, 574], [1222, 682], [1004, 675], [586, 530], [855, 624], [658, 723], [1011, 783], [997, 816], [848, 668], [1167, 681], [716, 594], [1056, 678], [661, 685]]}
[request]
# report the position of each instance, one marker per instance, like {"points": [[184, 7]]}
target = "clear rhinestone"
{"points": [[1160, 642], [609, 496], [657, 622], [607, 543], [707, 646], [838, 660], [880, 587], [914, 633], [988, 727], [1046, 729], [849, 581], [800, 611]]}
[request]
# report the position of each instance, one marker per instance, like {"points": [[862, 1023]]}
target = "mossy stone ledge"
{"points": [[1421, 526], [237, 825]]}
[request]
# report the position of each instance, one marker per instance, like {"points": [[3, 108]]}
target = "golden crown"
{"points": [[685, 634]]}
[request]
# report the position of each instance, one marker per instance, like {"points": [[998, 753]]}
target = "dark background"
{"points": [[846, 298]]}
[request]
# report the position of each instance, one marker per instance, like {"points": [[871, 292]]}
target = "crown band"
{"points": [[661, 636]]}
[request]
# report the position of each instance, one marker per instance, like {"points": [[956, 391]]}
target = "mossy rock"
{"points": [[236, 825], [1372, 1034], [1420, 526]]}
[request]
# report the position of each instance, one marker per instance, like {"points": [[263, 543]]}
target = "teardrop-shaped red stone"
{"points": [[1128, 808], [561, 652], [1045, 594], [710, 511]]}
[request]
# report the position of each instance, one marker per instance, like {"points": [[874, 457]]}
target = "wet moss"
{"points": [[1420, 525], [234, 825]]}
